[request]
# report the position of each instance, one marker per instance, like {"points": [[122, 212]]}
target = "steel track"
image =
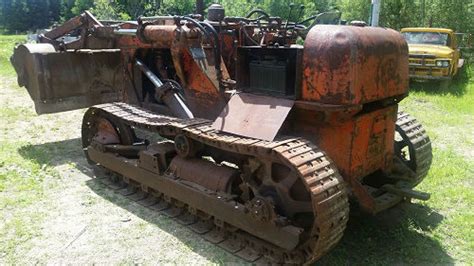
{"points": [[318, 173], [419, 145]]}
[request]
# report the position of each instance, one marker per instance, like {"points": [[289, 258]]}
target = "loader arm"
{"points": [[82, 24], [73, 66]]}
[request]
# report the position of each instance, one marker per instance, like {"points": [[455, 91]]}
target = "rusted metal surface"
{"points": [[198, 75], [22, 60], [239, 180], [58, 81], [284, 237], [162, 36], [406, 192], [372, 133], [204, 173], [412, 148], [280, 242], [65, 28], [156, 157], [81, 22], [82, 26], [253, 116], [353, 65], [106, 132]]}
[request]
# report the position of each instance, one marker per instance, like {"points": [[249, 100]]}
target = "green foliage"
{"points": [[81, 5], [104, 11], [177, 7], [398, 14], [452, 14], [23, 15], [136, 8], [354, 9], [278, 7], [455, 14]]}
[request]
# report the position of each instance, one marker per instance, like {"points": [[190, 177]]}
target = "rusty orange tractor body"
{"points": [[263, 140]]}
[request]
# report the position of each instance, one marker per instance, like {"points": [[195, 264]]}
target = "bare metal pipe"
{"points": [[150, 75], [130, 32], [157, 18], [168, 96]]}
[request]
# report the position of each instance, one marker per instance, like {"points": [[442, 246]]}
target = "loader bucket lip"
{"points": [[60, 81]]}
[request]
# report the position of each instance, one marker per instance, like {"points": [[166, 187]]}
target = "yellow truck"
{"points": [[433, 53]]}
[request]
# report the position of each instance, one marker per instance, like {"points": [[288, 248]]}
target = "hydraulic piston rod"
{"points": [[165, 93]]}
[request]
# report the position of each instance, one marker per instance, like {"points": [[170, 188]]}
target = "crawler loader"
{"points": [[253, 139]]}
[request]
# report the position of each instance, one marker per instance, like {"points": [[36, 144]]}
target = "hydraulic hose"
{"points": [[217, 50], [259, 11], [210, 32]]}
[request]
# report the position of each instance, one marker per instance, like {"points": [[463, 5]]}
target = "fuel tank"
{"points": [[351, 65]]}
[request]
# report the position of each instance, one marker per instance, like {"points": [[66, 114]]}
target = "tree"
{"points": [[104, 10], [177, 7], [23, 15], [81, 5], [54, 10], [398, 14], [72, 8], [136, 8], [355, 9]]}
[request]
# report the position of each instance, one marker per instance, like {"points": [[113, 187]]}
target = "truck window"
{"points": [[435, 38]]}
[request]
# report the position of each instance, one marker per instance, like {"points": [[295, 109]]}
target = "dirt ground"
{"points": [[68, 217], [79, 220]]}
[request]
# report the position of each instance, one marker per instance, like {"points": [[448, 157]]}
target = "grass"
{"points": [[448, 116], [7, 42], [37, 153], [21, 180], [22, 183]]}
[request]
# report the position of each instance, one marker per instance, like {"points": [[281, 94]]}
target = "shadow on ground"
{"points": [[395, 237], [57, 153], [398, 236], [456, 87], [185, 235]]}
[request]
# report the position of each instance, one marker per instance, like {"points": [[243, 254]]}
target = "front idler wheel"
{"points": [[104, 129]]}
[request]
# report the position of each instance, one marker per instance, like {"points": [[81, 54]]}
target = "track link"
{"points": [[318, 173], [414, 137]]}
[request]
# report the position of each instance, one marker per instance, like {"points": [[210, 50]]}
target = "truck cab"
{"points": [[433, 53]]}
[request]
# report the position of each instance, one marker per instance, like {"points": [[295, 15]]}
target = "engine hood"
{"points": [[438, 50]]}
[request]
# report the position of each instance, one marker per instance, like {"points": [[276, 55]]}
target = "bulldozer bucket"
{"points": [[59, 81]]}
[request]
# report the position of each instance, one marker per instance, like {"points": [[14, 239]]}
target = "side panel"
{"points": [[372, 145], [359, 145], [62, 81]]}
